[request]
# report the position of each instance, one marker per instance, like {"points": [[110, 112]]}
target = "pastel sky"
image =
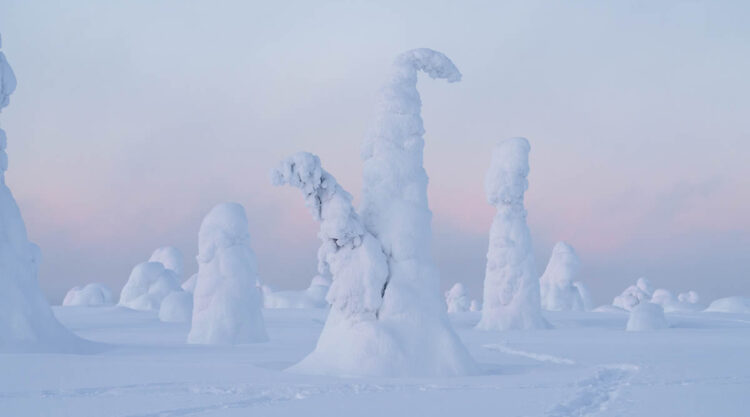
{"points": [[133, 118]]}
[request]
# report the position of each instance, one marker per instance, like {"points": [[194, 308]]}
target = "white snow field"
{"points": [[587, 365]]}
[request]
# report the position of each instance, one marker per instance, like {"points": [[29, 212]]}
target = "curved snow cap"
{"points": [[431, 62], [170, 257], [223, 227], [505, 182]]}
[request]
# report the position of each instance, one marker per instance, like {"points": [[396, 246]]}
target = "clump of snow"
{"points": [[387, 316], [475, 306], [739, 305], [583, 290], [685, 302], [148, 284], [511, 284], [189, 284], [170, 257], [646, 316], [634, 295], [176, 307], [26, 320], [689, 297], [558, 291], [93, 294], [457, 299], [312, 297], [226, 303]]}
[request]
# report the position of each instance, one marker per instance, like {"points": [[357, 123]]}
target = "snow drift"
{"points": [[511, 284], [387, 316], [730, 305], [91, 295], [226, 301], [26, 320], [312, 297], [457, 299], [646, 316], [558, 290], [148, 284]]}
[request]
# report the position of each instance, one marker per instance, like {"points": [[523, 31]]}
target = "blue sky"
{"points": [[133, 118]]}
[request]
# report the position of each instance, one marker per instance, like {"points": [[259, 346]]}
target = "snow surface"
{"points": [[558, 289], [226, 302], [730, 305], [511, 283], [646, 316], [457, 299], [90, 295], [587, 365]]}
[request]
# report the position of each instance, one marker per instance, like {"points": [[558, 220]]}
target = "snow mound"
{"points": [[739, 305], [177, 307], [93, 294], [558, 291], [312, 297], [170, 257], [646, 316], [511, 284], [634, 295], [148, 284], [457, 299], [226, 301], [26, 320]]}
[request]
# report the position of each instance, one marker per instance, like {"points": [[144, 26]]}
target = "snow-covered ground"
{"points": [[587, 365]]}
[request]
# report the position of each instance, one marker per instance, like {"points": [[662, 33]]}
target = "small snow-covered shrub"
{"points": [[457, 299], [634, 295], [226, 301], [93, 294], [557, 289], [176, 307], [312, 297], [646, 316], [148, 284], [730, 305]]}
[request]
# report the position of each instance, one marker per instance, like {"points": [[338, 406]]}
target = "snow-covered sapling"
{"points": [[457, 299], [148, 284], [558, 290], [511, 284], [226, 301], [634, 295]]}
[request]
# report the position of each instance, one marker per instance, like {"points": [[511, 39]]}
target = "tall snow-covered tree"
{"points": [[400, 326], [511, 283], [26, 320], [558, 289], [226, 302]]}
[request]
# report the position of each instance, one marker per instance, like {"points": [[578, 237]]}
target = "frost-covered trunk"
{"points": [[226, 301], [558, 289], [511, 284], [26, 320], [388, 317]]}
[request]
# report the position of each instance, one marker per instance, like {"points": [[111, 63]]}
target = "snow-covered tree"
{"points": [[457, 299], [90, 295], [148, 284], [557, 283], [634, 295], [511, 284], [170, 257], [646, 316], [226, 301], [26, 320], [387, 315]]}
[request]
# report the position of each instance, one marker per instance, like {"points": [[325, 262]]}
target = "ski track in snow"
{"points": [[595, 393], [542, 357]]}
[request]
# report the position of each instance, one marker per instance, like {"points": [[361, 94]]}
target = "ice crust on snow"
{"points": [[457, 299], [730, 305], [26, 320], [387, 317], [511, 284], [177, 307], [148, 284], [90, 295], [557, 287], [646, 316], [313, 296], [226, 301]]}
